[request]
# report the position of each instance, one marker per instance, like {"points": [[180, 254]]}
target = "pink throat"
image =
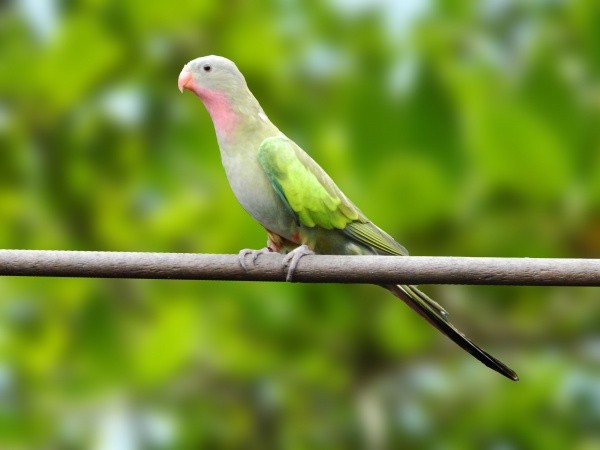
{"points": [[220, 110]]}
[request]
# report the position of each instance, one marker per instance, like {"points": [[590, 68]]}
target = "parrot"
{"points": [[301, 208]]}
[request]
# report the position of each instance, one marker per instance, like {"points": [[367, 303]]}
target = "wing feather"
{"points": [[304, 187], [314, 199], [373, 236]]}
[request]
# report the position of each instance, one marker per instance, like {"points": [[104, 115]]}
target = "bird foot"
{"points": [[255, 254], [291, 259]]}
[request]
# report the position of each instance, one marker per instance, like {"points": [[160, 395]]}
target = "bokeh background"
{"points": [[462, 128]]}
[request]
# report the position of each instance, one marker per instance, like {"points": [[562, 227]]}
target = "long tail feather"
{"points": [[438, 317]]}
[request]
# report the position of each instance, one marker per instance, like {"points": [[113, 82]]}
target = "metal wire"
{"points": [[311, 269]]}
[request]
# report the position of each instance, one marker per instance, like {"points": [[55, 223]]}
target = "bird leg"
{"points": [[291, 259], [255, 254]]}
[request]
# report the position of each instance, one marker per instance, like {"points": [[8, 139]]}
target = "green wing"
{"points": [[314, 199]]}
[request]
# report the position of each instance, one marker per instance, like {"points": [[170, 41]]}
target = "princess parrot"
{"points": [[291, 196]]}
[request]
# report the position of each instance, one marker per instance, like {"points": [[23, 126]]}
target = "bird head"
{"points": [[224, 92], [210, 76]]}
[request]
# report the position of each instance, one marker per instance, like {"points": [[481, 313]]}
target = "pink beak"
{"points": [[185, 80]]}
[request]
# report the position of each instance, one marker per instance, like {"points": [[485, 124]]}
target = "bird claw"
{"points": [[255, 254], [291, 259]]}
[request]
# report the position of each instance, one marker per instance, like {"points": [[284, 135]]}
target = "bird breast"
{"points": [[256, 194]]}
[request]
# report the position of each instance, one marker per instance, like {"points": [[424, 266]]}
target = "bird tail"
{"points": [[437, 316]]}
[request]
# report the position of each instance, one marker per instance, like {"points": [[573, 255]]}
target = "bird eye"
{"points": [[206, 67]]}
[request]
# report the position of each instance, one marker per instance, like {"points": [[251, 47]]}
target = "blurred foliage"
{"points": [[462, 128]]}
